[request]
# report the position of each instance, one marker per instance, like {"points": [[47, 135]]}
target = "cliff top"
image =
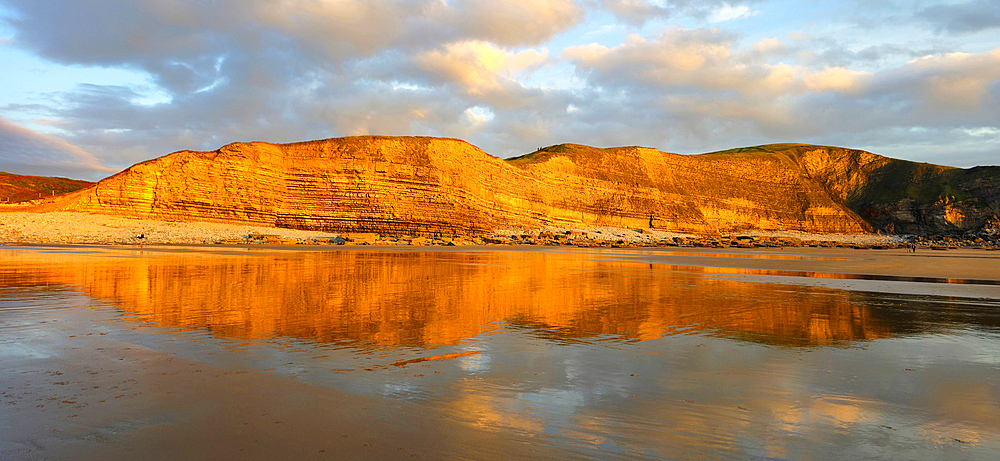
{"points": [[18, 188]]}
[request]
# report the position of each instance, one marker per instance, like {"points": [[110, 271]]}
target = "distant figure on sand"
{"points": [[141, 236]]}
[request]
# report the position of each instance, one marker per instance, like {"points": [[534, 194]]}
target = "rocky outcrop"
{"points": [[899, 196], [435, 186]]}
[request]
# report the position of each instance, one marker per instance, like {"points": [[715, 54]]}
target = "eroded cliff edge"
{"points": [[420, 185]]}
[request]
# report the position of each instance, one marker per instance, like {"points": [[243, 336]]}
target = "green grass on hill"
{"points": [[20, 188]]}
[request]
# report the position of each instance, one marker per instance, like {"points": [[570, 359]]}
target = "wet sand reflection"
{"points": [[387, 298], [477, 354]]}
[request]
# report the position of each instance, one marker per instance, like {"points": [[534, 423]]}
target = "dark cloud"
{"points": [[279, 71], [963, 18], [26, 152]]}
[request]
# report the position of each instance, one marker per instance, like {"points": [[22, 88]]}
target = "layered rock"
{"points": [[899, 196], [417, 185]]}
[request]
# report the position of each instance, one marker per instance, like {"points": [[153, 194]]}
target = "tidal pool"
{"points": [[478, 353]]}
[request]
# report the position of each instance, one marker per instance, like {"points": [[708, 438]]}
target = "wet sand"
{"points": [[242, 352], [100, 396]]}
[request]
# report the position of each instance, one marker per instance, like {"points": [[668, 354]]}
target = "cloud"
{"points": [[836, 79], [475, 66], [706, 92], [963, 18], [27, 152], [483, 71], [684, 60], [638, 12], [514, 22], [729, 12], [285, 70], [955, 80]]}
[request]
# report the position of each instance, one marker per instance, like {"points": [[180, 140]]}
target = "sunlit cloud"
{"points": [[164, 75]]}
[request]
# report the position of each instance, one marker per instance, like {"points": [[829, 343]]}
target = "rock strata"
{"points": [[445, 188], [899, 196], [436, 187]]}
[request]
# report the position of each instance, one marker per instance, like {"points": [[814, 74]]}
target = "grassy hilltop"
{"points": [[19, 188]]}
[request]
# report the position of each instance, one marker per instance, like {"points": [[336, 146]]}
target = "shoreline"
{"points": [[77, 228]]}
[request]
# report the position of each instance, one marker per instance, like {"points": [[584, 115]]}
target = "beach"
{"points": [[86, 228], [483, 352]]}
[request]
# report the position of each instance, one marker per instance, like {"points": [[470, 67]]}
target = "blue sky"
{"points": [[92, 86]]}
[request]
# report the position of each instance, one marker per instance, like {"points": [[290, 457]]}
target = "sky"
{"points": [[90, 87]]}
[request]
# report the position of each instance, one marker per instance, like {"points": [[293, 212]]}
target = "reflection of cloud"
{"points": [[475, 363], [693, 395]]}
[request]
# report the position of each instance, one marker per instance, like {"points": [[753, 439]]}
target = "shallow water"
{"points": [[477, 353]]}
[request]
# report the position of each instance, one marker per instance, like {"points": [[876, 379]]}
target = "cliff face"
{"points": [[430, 185], [414, 185], [899, 196]]}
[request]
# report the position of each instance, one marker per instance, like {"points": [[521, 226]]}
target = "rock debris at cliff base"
{"points": [[85, 228]]}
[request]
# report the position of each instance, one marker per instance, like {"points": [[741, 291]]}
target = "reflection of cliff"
{"points": [[433, 298]]}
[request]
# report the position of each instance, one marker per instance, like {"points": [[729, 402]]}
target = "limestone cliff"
{"points": [[419, 185], [899, 196]]}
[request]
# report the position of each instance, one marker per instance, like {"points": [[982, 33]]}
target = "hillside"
{"points": [[19, 188], [898, 196], [423, 186]]}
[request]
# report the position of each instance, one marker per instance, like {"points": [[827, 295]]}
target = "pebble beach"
{"points": [[84, 228]]}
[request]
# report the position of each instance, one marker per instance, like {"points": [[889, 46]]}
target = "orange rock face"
{"points": [[423, 186], [437, 298]]}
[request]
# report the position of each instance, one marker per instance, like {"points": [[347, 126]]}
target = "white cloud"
{"points": [[982, 131], [731, 12], [478, 115]]}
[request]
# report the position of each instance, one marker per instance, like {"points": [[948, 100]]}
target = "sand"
{"points": [[85, 228], [72, 227], [86, 379]]}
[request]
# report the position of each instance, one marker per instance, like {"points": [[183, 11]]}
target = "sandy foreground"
{"points": [[90, 381], [75, 228]]}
